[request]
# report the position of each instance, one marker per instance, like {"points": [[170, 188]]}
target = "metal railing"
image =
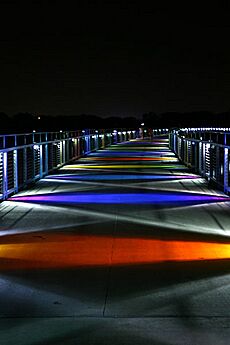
{"points": [[26, 158], [206, 152]]}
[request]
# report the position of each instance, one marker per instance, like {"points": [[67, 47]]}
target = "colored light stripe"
{"points": [[103, 153], [134, 142], [131, 166], [52, 250], [118, 177], [119, 198], [146, 145], [118, 148], [172, 159]]}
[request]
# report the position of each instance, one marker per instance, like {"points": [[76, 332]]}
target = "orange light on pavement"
{"points": [[41, 250]]}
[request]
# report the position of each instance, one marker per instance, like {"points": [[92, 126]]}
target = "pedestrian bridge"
{"points": [[126, 245]]}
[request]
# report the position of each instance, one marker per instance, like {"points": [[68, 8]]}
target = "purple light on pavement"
{"points": [[120, 198]]}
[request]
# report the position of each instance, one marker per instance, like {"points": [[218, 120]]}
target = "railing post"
{"points": [[217, 172], [179, 147], [24, 165], [63, 151], [96, 140], [40, 161], [89, 145], [34, 160], [15, 158], [200, 151], [67, 148], [46, 155], [110, 138], [78, 146], [103, 139], [226, 170], [115, 136], [5, 176], [15, 162], [174, 141]]}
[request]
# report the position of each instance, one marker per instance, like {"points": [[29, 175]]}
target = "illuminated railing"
{"points": [[206, 151], [26, 158]]}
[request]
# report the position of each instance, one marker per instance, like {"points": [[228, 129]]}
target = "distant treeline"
{"points": [[26, 122]]}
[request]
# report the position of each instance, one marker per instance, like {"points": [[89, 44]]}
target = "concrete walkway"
{"points": [[125, 246]]}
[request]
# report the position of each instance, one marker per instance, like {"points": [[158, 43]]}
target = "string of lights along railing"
{"points": [[26, 158]]}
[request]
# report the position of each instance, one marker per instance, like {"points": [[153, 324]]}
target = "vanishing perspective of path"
{"points": [[124, 246]]}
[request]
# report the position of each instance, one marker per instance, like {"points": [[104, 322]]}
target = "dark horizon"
{"points": [[26, 122]]}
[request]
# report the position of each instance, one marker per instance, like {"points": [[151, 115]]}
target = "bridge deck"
{"points": [[125, 246]]}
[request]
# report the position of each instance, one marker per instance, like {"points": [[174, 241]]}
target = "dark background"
{"points": [[98, 60]]}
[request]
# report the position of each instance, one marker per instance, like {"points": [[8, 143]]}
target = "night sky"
{"points": [[113, 58]]}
